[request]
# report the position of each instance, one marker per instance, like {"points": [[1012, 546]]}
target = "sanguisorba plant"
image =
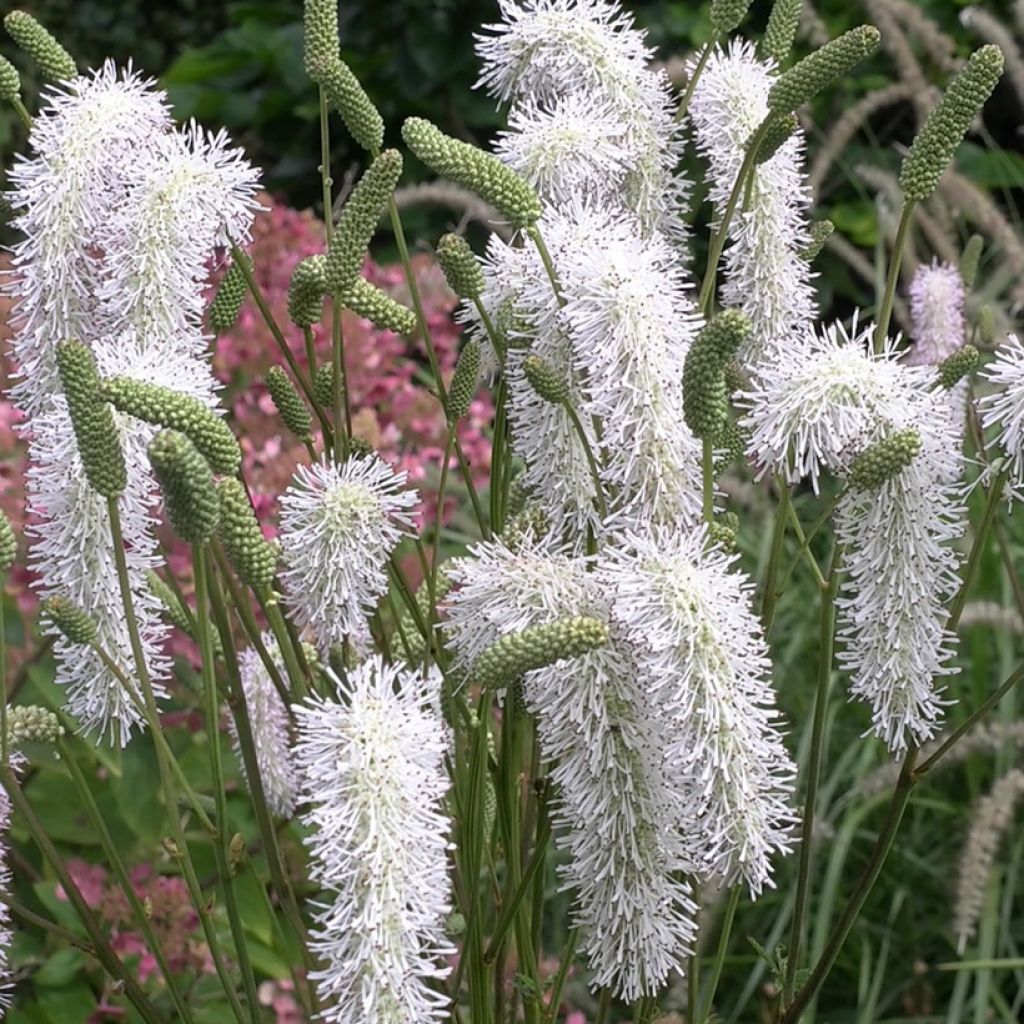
{"points": [[589, 684]]}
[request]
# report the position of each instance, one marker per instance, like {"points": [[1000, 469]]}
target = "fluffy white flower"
{"points": [[1003, 409], [764, 273], [373, 779], [936, 313], [339, 524]]}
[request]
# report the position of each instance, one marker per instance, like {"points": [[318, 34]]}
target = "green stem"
{"points": [[564, 965], [595, 473], [498, 483], [341, 405], [325, 167], [805, 546], [604, 1003], [52, 927], [895, 263], [723, 948], [272, 610], [19, 108], [769, 596], [549, 265], [708, 479], [691, 85], [435, 555]]}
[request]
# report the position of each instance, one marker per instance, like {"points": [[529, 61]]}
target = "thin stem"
{"points": [[691, 85], [52, 927], [325, 167], [604, 1003], [549, 265], [769, 596], [271, 609], [804, 546], [435, 555], [23, 114], [723, 948], [595, 473], [896, 261], [564, 966], [341, 405]]}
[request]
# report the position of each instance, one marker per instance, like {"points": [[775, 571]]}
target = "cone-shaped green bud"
{"points": [[10, 80], [464, 380], [93, 420], [821, 232], [358, 221], [530, 521], [320, 37], [190, 495], [518, 653], [71, 620], [809, 76], [306, 292], [166, 407], [726, 15], [954, 368], [345, 95], [408, 638], [8, 543], [323, 386], [252, 556], [30, 723], [884, 460], [227, 303], [723, 534], [517, 496], [987, 327], [730, 445], [545, 380], [781, 30], [780, 130], [54, 61], [290, 407], [519, 706], [704, 395], [969, 260], [461, 268], [173, 608], [934, 145], [474, 169], [379, 308]]}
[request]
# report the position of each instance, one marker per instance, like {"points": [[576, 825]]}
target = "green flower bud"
{"points": [[730, 445], [358, 221], [190, 496], [320, 38], [8, 543], [54, 61], [954, 368], [253, 558], [821, 232], [461, 268], [455, 924], [464, 380], [10, 80], [934, 145], [176, 613], [519, 705], [987, 327], [809, 76], [290, 407], [704, 396], [30, 723], [227, 303], [345, 95], [474, 169], [969, 260], [517, 496], [323, 386], [306, 292], [74, 623], [884, 459], [379, 308], [543, 378], [408, 637], [95, 430], [723, 535], [780, 130], [726, 15], [781, 30], [165, 407], [530, 521], [536, 647]]}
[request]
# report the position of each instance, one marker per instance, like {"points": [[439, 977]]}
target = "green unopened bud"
{"points": [[290, 407], [93, 420], [253, 557], [379, 308], [227, 303], [726, 15], [518, 653], [934, 145], [781, 30], [969, 260], [323, 386], [545, 380], [464, 380], [54, 61], [306, 291], [71, 620], [524, 524], [780, 130], [987, 327], [519, 706], [320, 38], [474, 169], [704, 395], [455, 924], [190, 496], [8, 543], [884, 460], [954, 368], [408, 637], [730, 445], [173, 608], [165, 407], [10, 80], [236, 853], [821, 232], [30, 723], [723, 534], [358, 221], [461, 268], [345, 95], [819, 69]]}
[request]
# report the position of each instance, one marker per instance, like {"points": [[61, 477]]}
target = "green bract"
{"points": [[954, 368], [8, 543], [781, 30], [10, 80]]}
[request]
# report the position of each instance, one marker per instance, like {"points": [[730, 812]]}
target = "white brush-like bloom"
{"points": [[339, 525], [702, 653], [1003, 409], [764, 274], [937, 321], [271, 730], [374, 784]]}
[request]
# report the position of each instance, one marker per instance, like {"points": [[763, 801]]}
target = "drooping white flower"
{"points": [[271, 730], [374, 785], [1003, 409], [764, 274], [936, 313], [339, 525]]}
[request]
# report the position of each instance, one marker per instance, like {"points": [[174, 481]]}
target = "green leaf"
{"points": [[991, 168], [67, 1005], [267, 961], [59, 969], [137, 793], [252, 905], [56, 803]]}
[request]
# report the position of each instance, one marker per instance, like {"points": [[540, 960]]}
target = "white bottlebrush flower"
{"points": [[374, 784], [271, 730], [702, 652], [937, 326], [339, 525], [1003, 409], [764, 274]]}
